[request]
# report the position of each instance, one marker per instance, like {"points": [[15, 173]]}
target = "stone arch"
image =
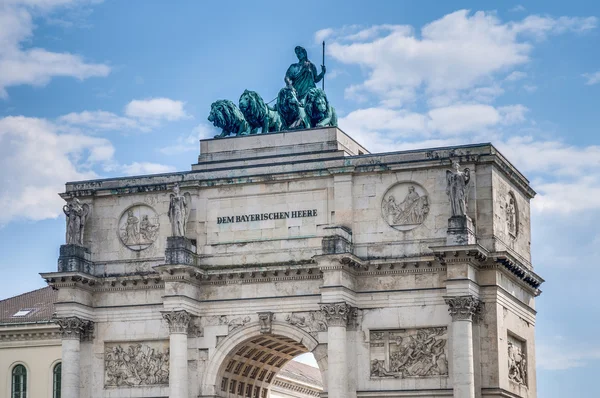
{"points": [[246, 361]]}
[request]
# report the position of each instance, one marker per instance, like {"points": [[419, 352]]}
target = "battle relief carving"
{"points": [[312, 322], [140, 364], [138, 227], [409, 352], [512, 215], [405, 206], [517, 361]]}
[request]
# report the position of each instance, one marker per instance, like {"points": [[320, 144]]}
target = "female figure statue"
{"points": [[457, 189], [76, 216], [179, 211], [303, 74]]}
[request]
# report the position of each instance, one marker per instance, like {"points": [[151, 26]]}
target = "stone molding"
{"points": [[464, 308], [338, 314], [178, 321], [26, 335], [75, 328]]}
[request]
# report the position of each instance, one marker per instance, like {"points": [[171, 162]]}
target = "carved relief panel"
{"points": [[405, 206], [409, 352], [517, 361], [138, 227], [512, 215], [136, 364]]}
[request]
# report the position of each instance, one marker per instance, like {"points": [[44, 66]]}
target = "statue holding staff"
{"points": [[76, 217], [303, 75], [456, 189], [179, 211]]}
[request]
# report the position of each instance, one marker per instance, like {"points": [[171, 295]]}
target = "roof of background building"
{"points": [[301, 372], [31, 307]]}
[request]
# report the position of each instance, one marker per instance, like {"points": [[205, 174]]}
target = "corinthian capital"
{"points": [[178, 321], [74, 327], [338, 314], [464, 307]]}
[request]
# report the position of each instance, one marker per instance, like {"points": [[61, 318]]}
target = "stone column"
{"points": [[337, 316], [179, 322], [463, 310], [72, 330]]}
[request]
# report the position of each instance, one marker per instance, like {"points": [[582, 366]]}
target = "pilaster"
{"points": [[178, 322], [73, 330], [463, 309], [337, 317]]}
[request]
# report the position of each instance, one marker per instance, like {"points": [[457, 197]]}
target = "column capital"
{"points": [[178, 321], [464, 308], [338, 314], [74, 327]]}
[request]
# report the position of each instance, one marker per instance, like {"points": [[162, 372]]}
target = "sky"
{"points": [[92, 89]]}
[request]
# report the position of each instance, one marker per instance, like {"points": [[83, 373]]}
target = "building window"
{"points": [[56, 376], [19, 382]]}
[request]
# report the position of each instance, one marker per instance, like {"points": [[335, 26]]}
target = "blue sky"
{"points": [[97, 89]]}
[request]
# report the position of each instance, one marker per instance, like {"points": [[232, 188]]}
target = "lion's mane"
{"points": [[288, 112], [253, 107], [316, 115], [224, 114]]}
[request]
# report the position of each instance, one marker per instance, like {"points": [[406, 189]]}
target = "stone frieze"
{"points": [[409, 352], [139, 364]]}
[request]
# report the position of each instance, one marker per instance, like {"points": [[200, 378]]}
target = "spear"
{"points": [[323, 81]]}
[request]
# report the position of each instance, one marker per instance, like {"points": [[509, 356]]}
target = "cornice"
{"points": [[518, 269]]}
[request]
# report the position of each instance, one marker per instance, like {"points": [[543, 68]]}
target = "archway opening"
{"points": [[250, 369]]}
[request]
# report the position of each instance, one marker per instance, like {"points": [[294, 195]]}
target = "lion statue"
{"points": [[225, 115], [320, 112], [291, 110], [258, 114]]}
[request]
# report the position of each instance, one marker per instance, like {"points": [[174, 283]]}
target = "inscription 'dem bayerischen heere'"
{"points": [[267, 216]]}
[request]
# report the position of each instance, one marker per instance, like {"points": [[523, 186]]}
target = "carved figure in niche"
{"points": [[136, 365], [258, 114], [302, 75], [511, 215], [412, 210], [132, 230], [291, 110], [147, 229], [319, 110], [517, 364], [179, 211], [138, 227], [378, 369], [226, 116], [457, 182], [77, 214]]}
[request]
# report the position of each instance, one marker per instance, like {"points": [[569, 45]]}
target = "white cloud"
{"points": [[35, 66], [513, 114], [190, 142], [592, 78], [516, 75], [101, 120], [453, 55], [156, 108], [36, 159], [518, 8], [140, 168], [458, 119], [562, 354], [543, 26], [142, 115]]}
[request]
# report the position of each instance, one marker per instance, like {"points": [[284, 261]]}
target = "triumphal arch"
{"points": [[406, 274]]}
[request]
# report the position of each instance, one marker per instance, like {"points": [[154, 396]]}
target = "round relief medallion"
{"points": [[138, 227], [405, 206]]}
